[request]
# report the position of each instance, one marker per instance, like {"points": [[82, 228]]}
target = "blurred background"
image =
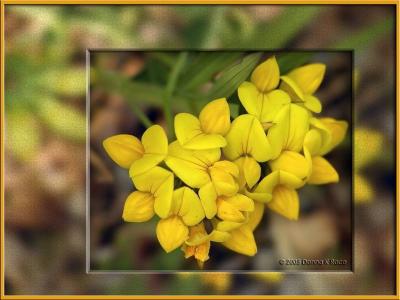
{"points": [[46, 131], [128, 92]]}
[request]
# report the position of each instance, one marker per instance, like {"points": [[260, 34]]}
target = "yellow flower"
{"points": [[200, 251], [288, 129], [241, 239], [186, 210], [202, 169], [138, 156], [207, 131], [260, 97], [247, 145], [324, 135], [278, 190], [154, 194], [294, 163], [301, 84]]}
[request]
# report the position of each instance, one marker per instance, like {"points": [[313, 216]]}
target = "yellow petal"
{"points": [[292, 89], [155, 144], [155, 141], [279, 131], [312, 103], [160, 183], [322, 172], [191, 136], [219, 236], [228, 212], [299, 123], [368, 145], [313, 141], [215, 117], [256, 215], [266, 75], [123, 149], [338, 131], [190, 208], [139, 207], [191, 166], [208, 197], [325, 134], [264, 106], [242, 241], [241, 202], [291, 162], [308, 77], [171, 233], [223, 174], [249, 171], [145, 163], [285, 201], [247, 137], [226, 226]]}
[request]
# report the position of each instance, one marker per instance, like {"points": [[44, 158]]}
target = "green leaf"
{"points": [[231, 78], [135, 92], [361, 40], [205, 66]]}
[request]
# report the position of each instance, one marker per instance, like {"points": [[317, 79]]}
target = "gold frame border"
{"points": [[186, 2]]}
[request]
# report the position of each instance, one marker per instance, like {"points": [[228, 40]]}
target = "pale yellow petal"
{"points": [[215, 117], [313, 141], [272, 103], [322, 172], [191, 166], [266, 75], [171, 233], [123, 149], [308, 77], [285, 201], [139, 207], [145, 163], [251, 98]]}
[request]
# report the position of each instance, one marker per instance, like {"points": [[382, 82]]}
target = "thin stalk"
{"points": [[169, 91]]}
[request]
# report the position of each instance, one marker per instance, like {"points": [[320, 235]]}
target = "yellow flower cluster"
{"points": [[228, 171]]}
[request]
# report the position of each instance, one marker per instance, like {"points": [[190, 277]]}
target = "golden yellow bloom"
{"points": [[241, 239], [259, 97], [139, 156], [186, 210], [155, 192], [247, 145], [278, 190], [218, 165], [207, 131], [324, 135], [301, 83], [202, 169]]}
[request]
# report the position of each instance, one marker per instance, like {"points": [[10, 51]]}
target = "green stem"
{"points": [[141, 115], [169, 90]]}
